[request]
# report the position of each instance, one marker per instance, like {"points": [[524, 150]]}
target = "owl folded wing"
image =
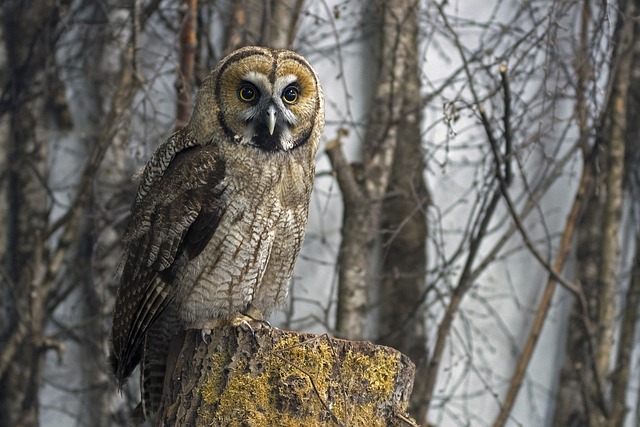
{"points": [[169, 226]]}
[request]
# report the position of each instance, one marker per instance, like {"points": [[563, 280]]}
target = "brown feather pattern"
{"points": [[220, 214]]}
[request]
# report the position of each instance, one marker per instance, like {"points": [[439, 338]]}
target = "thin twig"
{"points": [[554, 276], [508, 143], [464, 284], [543, 306]]}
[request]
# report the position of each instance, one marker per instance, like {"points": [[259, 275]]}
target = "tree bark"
{"points": [[583, 395], [270, 23], [235, 378], [30, 31], [363, 198], [404, 233], [628, 332], [614, 149], [630, 314], [185, 75]]}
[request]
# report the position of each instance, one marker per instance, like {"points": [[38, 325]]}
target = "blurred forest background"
{"points": [[476, 205]]}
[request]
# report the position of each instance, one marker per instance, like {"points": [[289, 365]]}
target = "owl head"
{"points": [[263, 98]]}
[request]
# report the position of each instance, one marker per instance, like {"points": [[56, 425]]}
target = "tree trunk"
{"points": [[30, 32], [234, 378], [628, 331], [185, 74], [270, 23], [404, 233], [630, 314], [584, 397], [363, 198], [94, 410]]}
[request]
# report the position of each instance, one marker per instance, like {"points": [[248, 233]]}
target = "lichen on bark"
{"points": [[284, 378]]}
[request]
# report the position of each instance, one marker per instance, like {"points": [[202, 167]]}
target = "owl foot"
{"points": [[248, 323], [243, 322], [207, 327], [261, 322], [244, 325], [206, 333], [256, 316]]}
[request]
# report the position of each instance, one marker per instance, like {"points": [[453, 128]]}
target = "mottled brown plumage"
{"points": [[221, 210]]}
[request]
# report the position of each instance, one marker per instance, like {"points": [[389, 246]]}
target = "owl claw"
{"points": [[205, 333], [255, 315], [265, 324], [246, 326], [242, 323]]}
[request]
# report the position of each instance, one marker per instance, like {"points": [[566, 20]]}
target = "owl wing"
{"points": [[169, 226]]}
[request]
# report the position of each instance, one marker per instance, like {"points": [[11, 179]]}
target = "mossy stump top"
{"points": [[283, 378]]}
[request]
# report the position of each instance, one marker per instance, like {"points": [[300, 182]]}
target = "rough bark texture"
{"points": [[585, 396], [575, 372], [271, 23], [405, 233], [90, 294], [30, 32], [49, 260], [184, 79], [614, 147], [628, 330], [631, 302], [569, 400], [363, 197], [355, 260], [285, 378]]}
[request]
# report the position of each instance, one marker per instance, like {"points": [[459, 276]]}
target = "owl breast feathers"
{"points": [[221, 210]]}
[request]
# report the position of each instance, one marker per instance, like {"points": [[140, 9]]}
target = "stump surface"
{"points": [[283, 378]]}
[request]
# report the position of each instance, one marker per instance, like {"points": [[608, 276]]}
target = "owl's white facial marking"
{"points": [[268, 117]]}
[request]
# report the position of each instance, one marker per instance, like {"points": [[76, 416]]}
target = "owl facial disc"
{"points": [[269, 100]]}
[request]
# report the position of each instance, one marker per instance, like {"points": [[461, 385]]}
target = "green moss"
{"points": [[377, 372], [286, 386], [245, 397], [212, 387]]}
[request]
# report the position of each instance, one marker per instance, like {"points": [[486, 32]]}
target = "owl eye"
{"points": [[247, 92], [290, 95]]}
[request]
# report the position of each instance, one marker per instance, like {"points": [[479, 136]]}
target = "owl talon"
{"points": [[264, 323], [246, 326], [242, 322], [205, 333], [254, 315]]}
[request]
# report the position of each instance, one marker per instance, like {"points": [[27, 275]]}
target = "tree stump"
{"points": [[283, 378]]}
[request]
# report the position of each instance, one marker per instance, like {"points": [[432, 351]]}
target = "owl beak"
{"points": [[271, 118]]}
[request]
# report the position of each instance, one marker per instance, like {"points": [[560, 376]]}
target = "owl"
{"points": [[220, 212]]}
